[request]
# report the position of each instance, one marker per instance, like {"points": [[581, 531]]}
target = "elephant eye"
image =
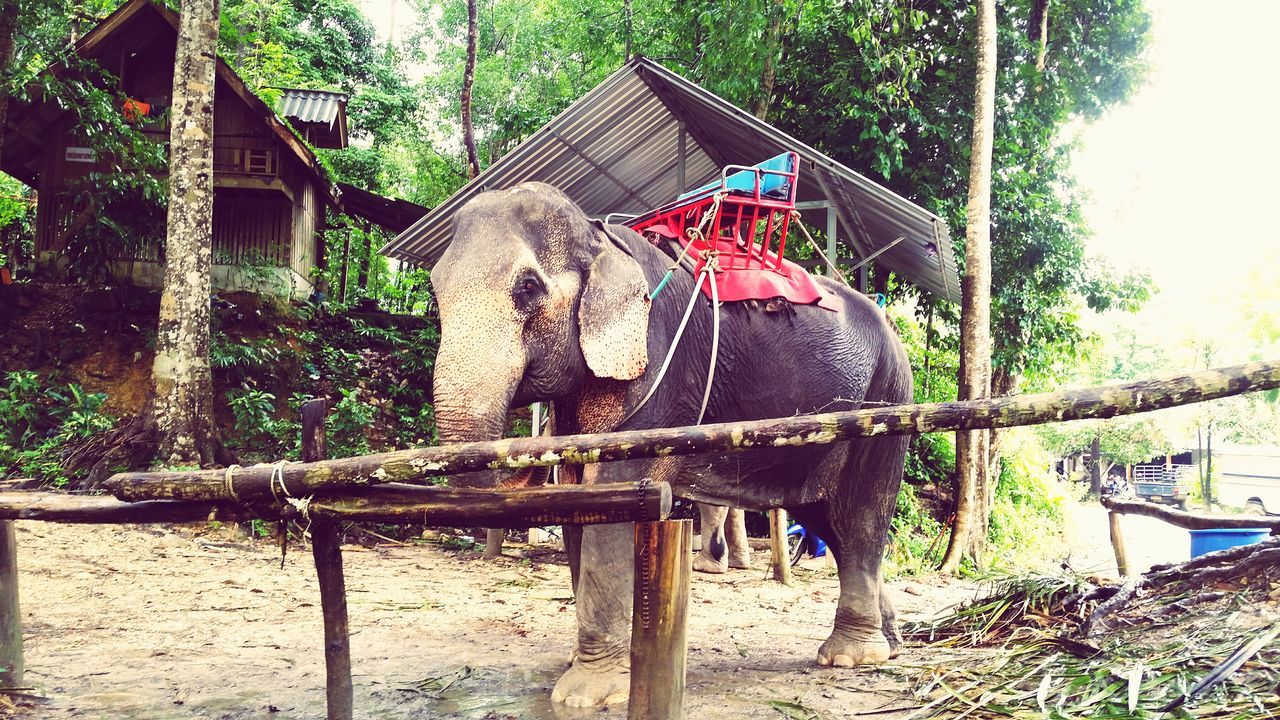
{"points": [[527, 291]]}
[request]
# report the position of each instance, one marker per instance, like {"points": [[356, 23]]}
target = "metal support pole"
{"points": [[832, 229], [680, 151]]}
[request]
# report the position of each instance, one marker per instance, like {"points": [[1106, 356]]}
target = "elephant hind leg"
{"points": [[714, 556], [858, 515]]}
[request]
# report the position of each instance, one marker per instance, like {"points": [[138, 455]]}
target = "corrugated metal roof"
{"points": [[314, 106], [614, 150]]}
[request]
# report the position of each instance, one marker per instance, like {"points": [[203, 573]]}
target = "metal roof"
{"points": [[393, 214], [615, 150], [312, 106]]}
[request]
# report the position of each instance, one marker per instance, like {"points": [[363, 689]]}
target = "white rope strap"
{"points": [[227, 484]]}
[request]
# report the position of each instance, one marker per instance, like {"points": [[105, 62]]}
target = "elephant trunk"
{"points": [[473, 398]]}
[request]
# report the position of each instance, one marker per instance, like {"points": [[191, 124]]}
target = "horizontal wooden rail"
{"points": [[460, 507], [1190, 521], [442, 506], [332, 476], [102, 509]]}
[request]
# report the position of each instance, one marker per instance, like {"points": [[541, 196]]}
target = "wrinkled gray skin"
{"points": [[724, 540], [537, 302]]}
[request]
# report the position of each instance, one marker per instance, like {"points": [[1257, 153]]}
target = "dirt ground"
{"points": [[150, 623]]}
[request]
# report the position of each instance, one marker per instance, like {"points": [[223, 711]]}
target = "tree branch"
{"points": [[1190, 521]]}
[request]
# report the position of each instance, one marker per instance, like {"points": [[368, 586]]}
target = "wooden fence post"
{"points": [[780, 559], [11, 666], [664, 564], [1117, 544], [326, 549]]}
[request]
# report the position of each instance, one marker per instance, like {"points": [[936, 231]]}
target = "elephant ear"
{"points": [[613, 315]]}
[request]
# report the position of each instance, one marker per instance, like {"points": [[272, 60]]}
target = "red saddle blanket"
{"points": [[742, 276]]}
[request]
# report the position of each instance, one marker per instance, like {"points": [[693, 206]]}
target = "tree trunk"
{"points": [[1040, 31], [1199, 455], [969, 535], [1095, 467], [1207, 488], [628, 28], [346, 265], [769, 73], [182, 389], [366, 262], [8, 24], [468, 80]]}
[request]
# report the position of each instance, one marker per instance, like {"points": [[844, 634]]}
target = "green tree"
{"points": [[969, 534], [181, 402]]}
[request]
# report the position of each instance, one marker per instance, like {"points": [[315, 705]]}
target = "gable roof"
{"points": [[136, 11], [618, 149], [320, 114]]}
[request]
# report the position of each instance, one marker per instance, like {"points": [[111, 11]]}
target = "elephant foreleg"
{"points": [[714, 556], [889, 623], [735, 533], [600, 674]]}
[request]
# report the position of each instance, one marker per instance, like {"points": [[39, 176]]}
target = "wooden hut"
{"points": [[270, 195]]}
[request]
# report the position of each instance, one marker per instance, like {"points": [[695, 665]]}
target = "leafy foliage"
{"points": [[252, 410], [37, 422], [1124, 441]]}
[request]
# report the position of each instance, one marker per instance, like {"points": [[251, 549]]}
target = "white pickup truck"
{"points": [[1249, 477]]}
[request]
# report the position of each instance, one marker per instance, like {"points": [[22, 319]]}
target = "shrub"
{"points": [[252, 410], [36, 424]]}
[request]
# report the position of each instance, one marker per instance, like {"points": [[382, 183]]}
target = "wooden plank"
{"points": [[821, 429], [326, 550], [664, 564], [11, 665]]}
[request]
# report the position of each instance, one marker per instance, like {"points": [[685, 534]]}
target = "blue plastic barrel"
{"points": [[1206, 541]]}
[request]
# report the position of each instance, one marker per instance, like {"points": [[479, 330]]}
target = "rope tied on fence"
{"points": [[227, 482], [277, 475]]}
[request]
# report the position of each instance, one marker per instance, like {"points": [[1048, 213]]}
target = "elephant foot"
{"points": [[740, 561], [704, 563], [597, 684], [843, 651]]}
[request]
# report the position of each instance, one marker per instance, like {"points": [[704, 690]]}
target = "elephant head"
{"points": [[534, 298]]}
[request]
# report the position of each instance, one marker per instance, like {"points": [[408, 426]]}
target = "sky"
{"points": [[1183, 178]]}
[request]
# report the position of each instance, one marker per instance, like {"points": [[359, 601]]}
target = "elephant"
{"points": [[539, 302], [724, 540]]}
